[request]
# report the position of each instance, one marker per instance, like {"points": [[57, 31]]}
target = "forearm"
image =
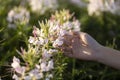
{"points": [[109, 57]]}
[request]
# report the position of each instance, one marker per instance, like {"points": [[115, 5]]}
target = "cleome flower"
{"points": [[43, 58], [58, 42], [41, 6], [18, 14], [16, 66], [98, 6]]}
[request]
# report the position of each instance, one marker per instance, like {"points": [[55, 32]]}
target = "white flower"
{"points": [[31, 39], [37, 66], [36, 31], [35, 73], [67, 25], [52, 51], [112, 6], [16, 62], [43, 66], [95, 6], [34, 41], [15, 77], [27, 78], [39, 76], [10, 15], [40, 6], [51, 23], [58, 42], [54, 28], [18, 14], [41, 41], [76, 24], [51, 4], [50, 65], [46, 54], [36, 5], [46, 41], [47, 78], [20, 70], [62, 32], [80, 3], [17, 67]]}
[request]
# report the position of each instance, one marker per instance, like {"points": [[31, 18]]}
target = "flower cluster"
{"points": [[113, 6], [97, 6], [79, 3], [41, 6], [43, 59], [18, 15]]}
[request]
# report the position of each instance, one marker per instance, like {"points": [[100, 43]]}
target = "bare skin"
{"points": [[82, 46]]}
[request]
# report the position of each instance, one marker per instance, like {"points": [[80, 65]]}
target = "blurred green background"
{"points": [[105, 28]]}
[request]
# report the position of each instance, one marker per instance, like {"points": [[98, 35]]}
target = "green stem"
{"points": [[73, 68]]}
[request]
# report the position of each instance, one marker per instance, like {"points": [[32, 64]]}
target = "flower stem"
{"points": [[73, 68]]}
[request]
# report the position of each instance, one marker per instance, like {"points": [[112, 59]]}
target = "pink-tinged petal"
{"points": [[16, 62], [20, 70], [62, 32]]}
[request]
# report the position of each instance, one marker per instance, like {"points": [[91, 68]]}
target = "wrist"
{"points": [[99, 53]]}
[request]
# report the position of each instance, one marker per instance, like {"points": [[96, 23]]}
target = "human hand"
{"points": [[81, 46]]}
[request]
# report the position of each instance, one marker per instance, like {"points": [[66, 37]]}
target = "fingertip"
{"points": [[84, 37]]}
